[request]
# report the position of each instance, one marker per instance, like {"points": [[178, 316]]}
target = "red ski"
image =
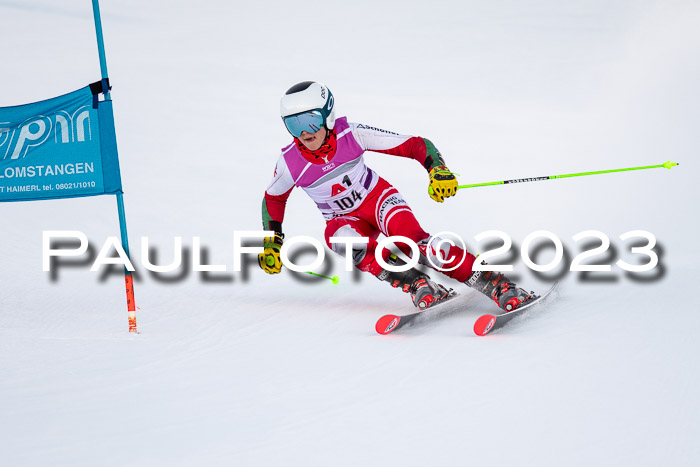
{"points": [[390, 323], [487, 323]]}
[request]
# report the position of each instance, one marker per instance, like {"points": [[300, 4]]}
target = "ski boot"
{"points": [[500, 289], [424, 292]]}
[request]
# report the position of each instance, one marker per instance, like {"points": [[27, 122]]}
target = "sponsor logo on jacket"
{"points": [[367, 127]]}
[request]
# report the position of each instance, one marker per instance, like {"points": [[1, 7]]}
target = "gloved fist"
{"points": [[443, 183], [269, 260]]}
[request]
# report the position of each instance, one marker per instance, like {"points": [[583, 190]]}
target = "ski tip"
{"points": [[387, 323], [484, 325]]}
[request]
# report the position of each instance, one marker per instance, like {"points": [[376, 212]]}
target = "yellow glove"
{"points": [[443, 183], [269, 260]]}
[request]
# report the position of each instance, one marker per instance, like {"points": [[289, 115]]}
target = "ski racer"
{"points": [[326, 161]]}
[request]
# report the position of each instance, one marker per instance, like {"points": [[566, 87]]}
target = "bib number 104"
{"points": [[348, 202], [646, 251]]}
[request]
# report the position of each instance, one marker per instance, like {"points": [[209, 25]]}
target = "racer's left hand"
{"points": [[443, 183]]}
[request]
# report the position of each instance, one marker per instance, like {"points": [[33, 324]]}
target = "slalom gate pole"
{"points": [[128, 277], [666, 165]]}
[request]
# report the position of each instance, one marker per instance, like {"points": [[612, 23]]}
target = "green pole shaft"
{"points": [[319, 275], [666, 165], [334, 279]]}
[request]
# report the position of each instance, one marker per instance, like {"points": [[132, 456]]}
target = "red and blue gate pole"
{"points": [[128, 277]]}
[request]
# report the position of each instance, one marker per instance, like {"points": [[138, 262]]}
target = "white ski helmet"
{"points": [[307, 96]]}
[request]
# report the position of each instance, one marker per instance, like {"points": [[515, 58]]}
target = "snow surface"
{"points": [[256, 370]]}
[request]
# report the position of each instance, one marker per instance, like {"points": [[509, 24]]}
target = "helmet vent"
{"points": [[299, 87]]}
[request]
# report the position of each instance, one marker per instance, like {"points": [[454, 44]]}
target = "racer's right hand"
{"points": [[269, 260]]}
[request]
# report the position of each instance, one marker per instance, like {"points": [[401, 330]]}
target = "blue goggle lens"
{"points": [[310, 122]]}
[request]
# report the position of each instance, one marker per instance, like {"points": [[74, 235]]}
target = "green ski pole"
{"points": [[335, 279], [666, 165]]}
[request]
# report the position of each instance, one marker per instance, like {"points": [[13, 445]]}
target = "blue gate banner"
{"points": [[58, 148]]}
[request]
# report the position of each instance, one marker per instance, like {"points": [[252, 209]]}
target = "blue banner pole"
{"points": [[128, 277], [100, 44]]}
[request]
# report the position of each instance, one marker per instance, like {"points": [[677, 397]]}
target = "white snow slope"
{"points": [[258, 370]]}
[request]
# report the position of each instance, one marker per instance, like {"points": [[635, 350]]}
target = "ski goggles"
{"points": [[310, 121]]}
